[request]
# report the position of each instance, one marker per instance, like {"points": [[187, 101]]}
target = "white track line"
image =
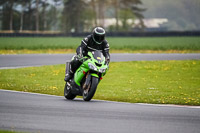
{"points": [[31, 93], [145, 104]]}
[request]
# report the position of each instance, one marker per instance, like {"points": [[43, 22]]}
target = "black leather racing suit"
{"points": [[88, 44]]}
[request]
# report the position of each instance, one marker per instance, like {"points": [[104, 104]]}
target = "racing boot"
{"points": [[68, 76], [68, 73]]}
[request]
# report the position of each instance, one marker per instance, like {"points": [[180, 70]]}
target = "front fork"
{"points": [[87, 83]]}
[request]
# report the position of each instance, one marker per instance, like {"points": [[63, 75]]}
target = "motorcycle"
{"points": [[87, 76]]}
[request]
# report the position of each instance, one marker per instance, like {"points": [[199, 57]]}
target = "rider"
{"points": [[93, 42]]}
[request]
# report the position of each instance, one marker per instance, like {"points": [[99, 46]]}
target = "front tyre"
{"points": [[67, 92], [87, 95]]}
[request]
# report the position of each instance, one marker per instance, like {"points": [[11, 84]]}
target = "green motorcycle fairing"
{"points": [[95, 63]]}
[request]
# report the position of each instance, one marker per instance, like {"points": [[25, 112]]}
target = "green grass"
{"points": [[116, 43], [169, 82], [38, 43], [156, 43], [4, 131]]}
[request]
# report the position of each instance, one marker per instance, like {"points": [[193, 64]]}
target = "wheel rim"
{"points": [[85, 94], [67, 89]]}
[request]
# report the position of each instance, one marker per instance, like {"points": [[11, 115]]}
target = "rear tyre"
{"points": [[67, 93], [87, 96]]}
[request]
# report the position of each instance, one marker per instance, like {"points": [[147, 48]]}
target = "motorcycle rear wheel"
{"points": [[88, 95], [67, 93]]}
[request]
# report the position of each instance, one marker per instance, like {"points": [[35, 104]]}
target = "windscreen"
{"points": [[98, 56]]}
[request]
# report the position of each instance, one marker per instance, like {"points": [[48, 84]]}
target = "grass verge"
{"points": [[5, 131], [20, 45], [67, 51], [160, 82]]}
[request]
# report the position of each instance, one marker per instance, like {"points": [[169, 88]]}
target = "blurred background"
{"points": [[81, 16]]}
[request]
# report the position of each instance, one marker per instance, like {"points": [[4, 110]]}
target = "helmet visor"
{"points": [[99, 38]]}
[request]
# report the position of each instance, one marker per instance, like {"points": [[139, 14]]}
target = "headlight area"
{"points": [[102, 70], [93, 67]]}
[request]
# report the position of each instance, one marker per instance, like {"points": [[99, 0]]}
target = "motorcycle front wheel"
{"points": [[87, 95]]}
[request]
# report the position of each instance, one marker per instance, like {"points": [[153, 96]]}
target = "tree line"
{"points": [[69, 15]]}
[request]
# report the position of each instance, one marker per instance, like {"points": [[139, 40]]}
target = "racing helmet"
{"points": [[98, 35]]}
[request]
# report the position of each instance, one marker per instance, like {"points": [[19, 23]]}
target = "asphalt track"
{"points": [[25, 60], [53, 114], [30, 112]]}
